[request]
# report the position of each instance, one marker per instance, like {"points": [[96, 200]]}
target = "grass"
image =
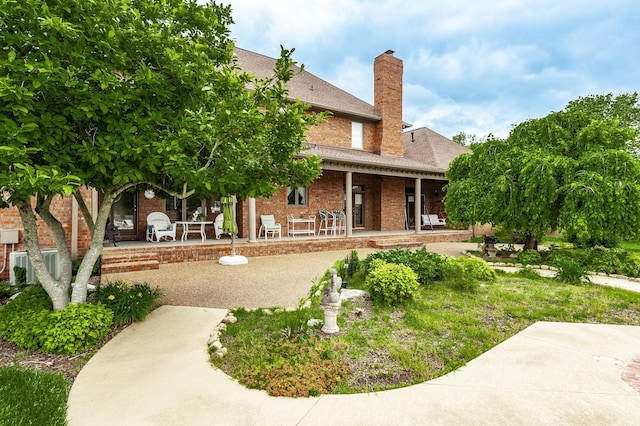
{"points": [[32, 397], [441, 330]]}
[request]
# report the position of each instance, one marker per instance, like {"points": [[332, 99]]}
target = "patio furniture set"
{"points": [[159, 226], [331, 223]]}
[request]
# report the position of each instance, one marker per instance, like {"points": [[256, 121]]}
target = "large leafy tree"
{"points": [[117, 94], [575, 170]]}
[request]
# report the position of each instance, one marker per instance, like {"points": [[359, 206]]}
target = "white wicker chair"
{"points": [[159, 226]]}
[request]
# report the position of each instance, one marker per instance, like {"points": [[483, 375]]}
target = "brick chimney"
{"points": [[387, 100]]}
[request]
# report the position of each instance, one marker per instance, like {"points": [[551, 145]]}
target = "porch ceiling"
{"points": [[347, 160]]}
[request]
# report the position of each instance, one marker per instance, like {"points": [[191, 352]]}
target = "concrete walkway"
{"points": [[157, 373]]}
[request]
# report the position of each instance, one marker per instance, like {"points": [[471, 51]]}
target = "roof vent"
{"points": [[390, 52]]}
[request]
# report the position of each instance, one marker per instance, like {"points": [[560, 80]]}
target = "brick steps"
{"points": [[129, 262], [390, 243]]}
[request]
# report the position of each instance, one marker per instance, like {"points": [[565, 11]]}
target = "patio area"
{"points": [[130, 256]]}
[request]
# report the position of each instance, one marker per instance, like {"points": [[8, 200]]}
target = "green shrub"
{"points": [[391, 284], [529, 257], [428, 266], [477, 268], [7, 289], [570, 271], [23, 319], [128, 303], [20, 274], [603, 259], [351, 264], [77, 327], [630, 266], [464, 273]]}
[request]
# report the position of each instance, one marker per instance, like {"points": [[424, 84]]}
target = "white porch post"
{"points": [[349, 202], [252, 220], [74, 228], [417, 206]]}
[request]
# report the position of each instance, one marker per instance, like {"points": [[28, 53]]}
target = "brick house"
{"points": [[371, 168]]}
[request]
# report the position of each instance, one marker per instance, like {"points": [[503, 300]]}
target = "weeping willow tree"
{"points": [[576, 170]]}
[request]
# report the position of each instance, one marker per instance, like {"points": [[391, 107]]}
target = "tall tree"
{"points": [[115, 94], [576, 170]]}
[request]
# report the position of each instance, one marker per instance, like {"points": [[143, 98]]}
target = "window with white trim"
{"points": [[297, 196], [356, 135]]}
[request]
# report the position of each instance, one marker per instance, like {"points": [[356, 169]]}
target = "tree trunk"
{"points": [[58, 290], [531, 243], [79, 293]]}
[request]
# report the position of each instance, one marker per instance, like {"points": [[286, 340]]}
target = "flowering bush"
{"points": [[128, 302]]}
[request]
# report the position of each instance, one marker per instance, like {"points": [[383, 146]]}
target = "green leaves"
{"points": [[576, 170]]}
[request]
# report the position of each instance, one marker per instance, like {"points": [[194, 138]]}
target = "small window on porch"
{"points": [[297, 196], [356, 135], [183, 210]]}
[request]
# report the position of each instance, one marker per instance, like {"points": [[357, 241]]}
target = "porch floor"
{"points": [[130, 256]]}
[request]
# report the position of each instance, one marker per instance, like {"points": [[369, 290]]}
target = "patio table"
{"points": [[306, 225], [200, 230]]}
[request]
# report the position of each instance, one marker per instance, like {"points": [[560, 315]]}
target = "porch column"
{"points": [[348, 184], [417, 206], [74, 228], [252, 220]]}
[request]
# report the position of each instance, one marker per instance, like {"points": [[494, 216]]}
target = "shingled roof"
{"points": [[428, 147], [427, 154], [308, 88], [342, 159]]}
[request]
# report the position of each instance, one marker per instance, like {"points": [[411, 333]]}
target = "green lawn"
{"points": [[384, 347], [32, 397]]}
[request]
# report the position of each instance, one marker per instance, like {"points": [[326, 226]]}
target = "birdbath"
{"points": [[331, 303]]}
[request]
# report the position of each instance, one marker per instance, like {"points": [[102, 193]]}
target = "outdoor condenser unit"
{"points": [[20, 258]]}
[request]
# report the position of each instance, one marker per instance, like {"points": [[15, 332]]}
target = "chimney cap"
{"points": [[389, 52]]}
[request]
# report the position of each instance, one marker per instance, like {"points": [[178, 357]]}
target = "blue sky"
{"points": [[477, 66]]}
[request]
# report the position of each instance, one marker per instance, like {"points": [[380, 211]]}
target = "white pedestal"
{"points": [[330, 325], [233, 260]]}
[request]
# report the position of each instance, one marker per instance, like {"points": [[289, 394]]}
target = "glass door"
{"points": [[358, 206], [124, 215]]}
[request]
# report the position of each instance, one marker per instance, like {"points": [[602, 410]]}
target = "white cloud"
{"points": [[477, 66]]}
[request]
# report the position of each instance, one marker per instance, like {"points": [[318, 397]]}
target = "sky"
{"points": [[473, 66]]}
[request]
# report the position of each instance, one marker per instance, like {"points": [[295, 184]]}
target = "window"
{"points": [[356, 135], [183, 210], [297, 196]]}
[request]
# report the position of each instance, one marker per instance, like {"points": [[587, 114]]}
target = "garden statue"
{"points": [[331, 303]]}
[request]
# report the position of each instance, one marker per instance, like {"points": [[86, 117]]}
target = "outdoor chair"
{"points": [[339, 222], [111, 232], [217, 226], [269, 225], [159, 226], [325, 225], [432, 220]]}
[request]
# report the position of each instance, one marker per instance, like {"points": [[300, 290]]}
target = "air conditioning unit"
{"points": [[20, 258]]}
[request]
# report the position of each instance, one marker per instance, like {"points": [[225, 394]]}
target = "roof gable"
{"points": [[308, 88], [428, 147]]}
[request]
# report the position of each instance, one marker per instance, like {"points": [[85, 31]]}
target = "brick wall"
{"points": [[61, 208], [387, 91], [392, 199], [336, 131]]}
